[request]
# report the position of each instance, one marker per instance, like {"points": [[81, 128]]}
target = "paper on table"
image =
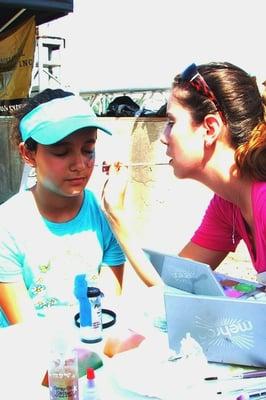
{"points": [[147, 371]]}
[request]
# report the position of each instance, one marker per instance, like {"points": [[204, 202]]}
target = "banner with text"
{"points": [[17, 48]]}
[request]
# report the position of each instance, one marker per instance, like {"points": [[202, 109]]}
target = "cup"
{"points": [[63, 373]]}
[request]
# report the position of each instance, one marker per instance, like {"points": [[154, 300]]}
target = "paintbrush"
{"points": [[106, 167], [245, 375]]}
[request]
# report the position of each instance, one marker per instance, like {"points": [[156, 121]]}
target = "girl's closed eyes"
{"points": [[65, 152]]}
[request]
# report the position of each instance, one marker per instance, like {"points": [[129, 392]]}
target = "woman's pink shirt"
{"points": [[223, 226]]}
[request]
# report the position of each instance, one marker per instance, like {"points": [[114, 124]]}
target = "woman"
{"points": [[56, 229], [216, 134]]}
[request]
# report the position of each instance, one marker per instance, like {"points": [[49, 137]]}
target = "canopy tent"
{"points": [[15, 12], [18, 36]]}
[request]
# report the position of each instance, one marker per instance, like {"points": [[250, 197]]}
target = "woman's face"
{"points": [[184, 141], [66, 167]]}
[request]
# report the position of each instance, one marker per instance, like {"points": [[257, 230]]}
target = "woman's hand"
{"points": [[114, 190]]}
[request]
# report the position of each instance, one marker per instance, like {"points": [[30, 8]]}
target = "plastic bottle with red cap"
{"points": [[90, 391]]}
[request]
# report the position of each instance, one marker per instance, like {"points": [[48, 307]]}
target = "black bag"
{"points": [[122, 106]]}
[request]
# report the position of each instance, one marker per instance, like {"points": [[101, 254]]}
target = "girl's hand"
{"points": [[114, 190]]}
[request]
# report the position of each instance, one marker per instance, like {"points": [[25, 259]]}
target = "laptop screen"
{"points": [[185, 274], [198, 278]]}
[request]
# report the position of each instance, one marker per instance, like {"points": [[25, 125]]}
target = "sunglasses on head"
{"points": [[192, 76]]}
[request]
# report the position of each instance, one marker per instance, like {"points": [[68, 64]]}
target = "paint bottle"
{"points": [[90, 391], [93, 333]]}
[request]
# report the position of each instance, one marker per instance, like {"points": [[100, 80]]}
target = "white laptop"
{"points": [[229, 330]]}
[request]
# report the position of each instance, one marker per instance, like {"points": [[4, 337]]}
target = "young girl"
{"points": [[56, 229], [216, 134]]}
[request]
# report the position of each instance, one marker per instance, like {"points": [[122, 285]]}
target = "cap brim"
{"points": [[52, 132], [50, 122]]}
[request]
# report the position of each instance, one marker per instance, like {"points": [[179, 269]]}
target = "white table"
{"points": [[24, 351]]}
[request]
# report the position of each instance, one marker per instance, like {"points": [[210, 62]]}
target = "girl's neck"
{"points": [[54, 207]]}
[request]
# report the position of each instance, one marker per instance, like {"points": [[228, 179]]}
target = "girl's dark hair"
{"points": [[242, 106], [28, 105]]}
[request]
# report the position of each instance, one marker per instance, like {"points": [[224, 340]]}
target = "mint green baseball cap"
{"points": [[52, 121]]}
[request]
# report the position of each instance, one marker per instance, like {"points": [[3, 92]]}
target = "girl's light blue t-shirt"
{"points": [[49, 255]]}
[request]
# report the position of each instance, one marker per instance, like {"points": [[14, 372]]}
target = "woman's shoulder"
{"points": [[218, 201], [259, 195], [259, 188]]}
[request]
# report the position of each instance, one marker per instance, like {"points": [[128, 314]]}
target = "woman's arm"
{"points": [[201, 254], [133, 251], [113, 197], [15, 302]]}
